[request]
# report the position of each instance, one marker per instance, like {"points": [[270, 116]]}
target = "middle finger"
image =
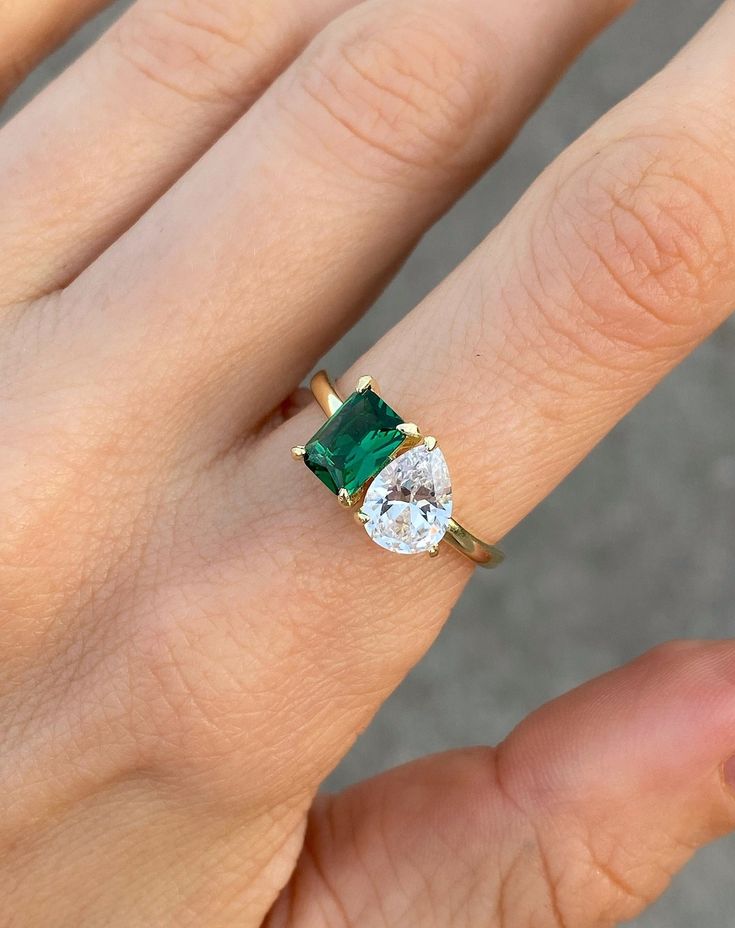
{"points": [[127, 119], [261, 255]]}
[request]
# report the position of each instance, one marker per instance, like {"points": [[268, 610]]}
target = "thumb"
{"points": [[578, 820]]}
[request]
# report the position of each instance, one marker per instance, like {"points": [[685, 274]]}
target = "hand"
{"points": [[192, 633]]}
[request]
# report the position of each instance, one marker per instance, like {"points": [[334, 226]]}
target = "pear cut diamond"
{"points": [[408, 505]]}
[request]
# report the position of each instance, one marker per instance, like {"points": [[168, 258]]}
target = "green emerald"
{"points": [[355, 443]]}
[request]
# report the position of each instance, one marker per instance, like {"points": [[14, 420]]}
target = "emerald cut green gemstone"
{"points": [[355, 443]]}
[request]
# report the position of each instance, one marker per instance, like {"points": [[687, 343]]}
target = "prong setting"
{"points": [[407, 468], [409, 503]]}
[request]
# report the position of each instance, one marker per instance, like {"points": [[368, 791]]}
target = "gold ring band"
{"points": [[406, 438]]}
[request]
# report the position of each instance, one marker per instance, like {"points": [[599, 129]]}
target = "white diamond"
{"points": [[408, 505]]}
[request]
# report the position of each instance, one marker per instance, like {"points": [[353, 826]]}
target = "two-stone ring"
{"points": [[395, 479]]}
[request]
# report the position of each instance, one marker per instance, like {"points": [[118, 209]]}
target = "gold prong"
{"points": [[430, 442], [409, 429], [344, 498], [298, 452], [434, 552], [366, 383], [362, 517]]}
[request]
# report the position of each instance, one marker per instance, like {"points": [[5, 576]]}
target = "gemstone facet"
{"points": [[355, 443], [408, 505]]}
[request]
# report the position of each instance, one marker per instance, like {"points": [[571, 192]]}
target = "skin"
{"points": [[192, 637]]}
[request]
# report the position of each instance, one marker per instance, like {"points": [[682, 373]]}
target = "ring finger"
{"points": [[618, 262]]}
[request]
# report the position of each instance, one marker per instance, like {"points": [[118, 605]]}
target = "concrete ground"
{"points": [[635, 548]]}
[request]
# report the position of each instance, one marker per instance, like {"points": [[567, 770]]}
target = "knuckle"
{"points": [[194, 48], [594, 879], [583, 876], [570, 883], [409, 94], [644, 241]]}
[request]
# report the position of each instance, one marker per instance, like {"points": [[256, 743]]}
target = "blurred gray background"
{"points": [[636, 547]]}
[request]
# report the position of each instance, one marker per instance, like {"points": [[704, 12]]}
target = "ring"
{"points": [[392, 477]]}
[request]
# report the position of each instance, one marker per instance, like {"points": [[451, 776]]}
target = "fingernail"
{"points": [[729, 772]]}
